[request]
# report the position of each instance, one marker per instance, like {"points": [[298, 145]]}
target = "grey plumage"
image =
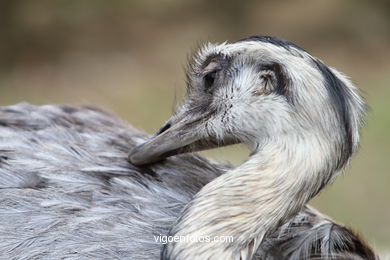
{"points": [[67, 190]]}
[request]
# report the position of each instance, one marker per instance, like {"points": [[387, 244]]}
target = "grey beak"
{"points": [[174, 138], [170, 140]]}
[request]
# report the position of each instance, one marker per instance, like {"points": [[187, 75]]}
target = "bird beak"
{"points": [[176, 137]]}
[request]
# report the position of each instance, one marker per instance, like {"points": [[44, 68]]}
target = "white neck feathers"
{"points": [[253, 199]]}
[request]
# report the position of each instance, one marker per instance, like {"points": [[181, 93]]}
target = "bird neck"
{"points": [[247, 203]]}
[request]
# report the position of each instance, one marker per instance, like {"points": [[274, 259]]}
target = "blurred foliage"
{"points": [[46, 30], [128, 56]]}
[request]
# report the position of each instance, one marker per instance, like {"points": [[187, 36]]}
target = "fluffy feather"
{"points": [[67, 191]]}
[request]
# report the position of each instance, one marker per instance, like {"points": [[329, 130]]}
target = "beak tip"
{"points": [[139, 157], [168, 142], [130, 158], [134, 157]]}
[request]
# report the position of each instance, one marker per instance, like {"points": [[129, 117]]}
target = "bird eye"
{"points": [[209, 78]]}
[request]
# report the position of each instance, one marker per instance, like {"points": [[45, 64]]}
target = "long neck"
{"points": [[251, 201]]}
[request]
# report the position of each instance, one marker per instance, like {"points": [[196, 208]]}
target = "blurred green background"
{"points": [[128, 56]]}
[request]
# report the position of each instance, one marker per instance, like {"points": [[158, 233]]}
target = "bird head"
{"points": [[255, 91]]}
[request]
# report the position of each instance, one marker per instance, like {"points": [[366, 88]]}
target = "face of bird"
{"points": [[246, 92]]}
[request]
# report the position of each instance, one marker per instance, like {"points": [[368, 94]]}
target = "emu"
{"points": [[70, 189]]}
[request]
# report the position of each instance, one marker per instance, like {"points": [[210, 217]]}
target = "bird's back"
{"points": [[67, 190]]}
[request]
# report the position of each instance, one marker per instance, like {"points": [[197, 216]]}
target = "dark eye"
{"points": [[209, 78]]}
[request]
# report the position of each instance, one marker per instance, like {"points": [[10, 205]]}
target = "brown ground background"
{"points": [[128, 56]]}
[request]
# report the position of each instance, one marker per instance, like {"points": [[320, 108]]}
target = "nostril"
{"points": [[164, 128]]}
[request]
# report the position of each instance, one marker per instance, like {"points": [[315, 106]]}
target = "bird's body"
{"points": [[68, 191]]}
